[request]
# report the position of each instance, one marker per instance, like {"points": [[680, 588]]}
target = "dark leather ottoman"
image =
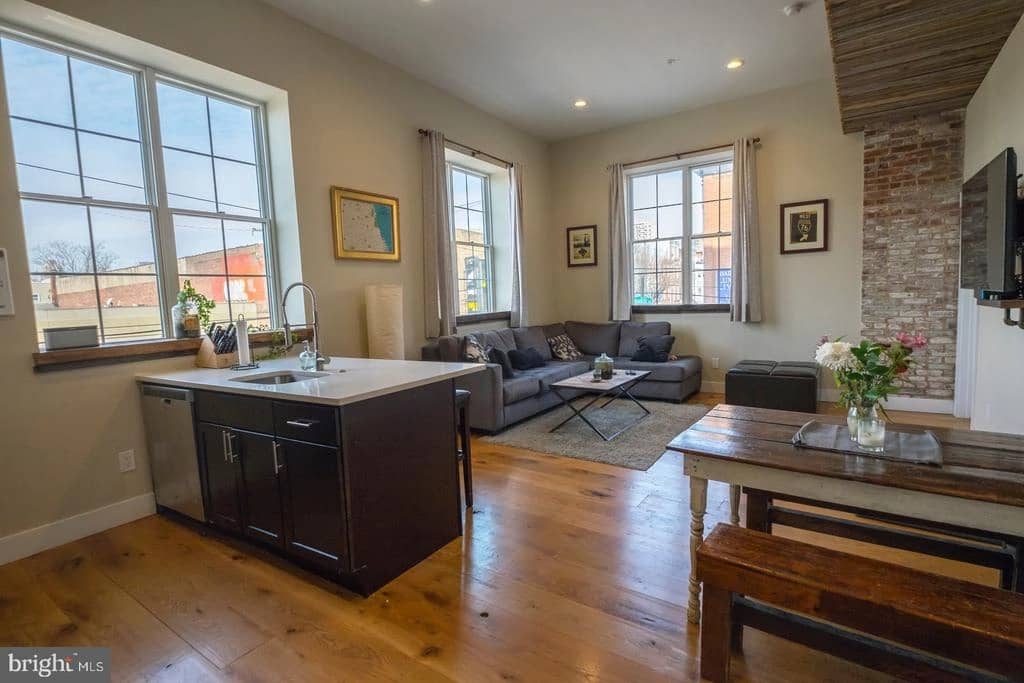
{"points": [[786, 385]]}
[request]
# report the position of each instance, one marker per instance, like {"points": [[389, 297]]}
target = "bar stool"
{"points": [[464, 452]]}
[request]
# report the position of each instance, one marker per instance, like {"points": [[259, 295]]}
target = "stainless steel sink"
{"points": [[282, 377]]}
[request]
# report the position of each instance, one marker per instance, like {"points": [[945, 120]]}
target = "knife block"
{"points": [[209, 358]]}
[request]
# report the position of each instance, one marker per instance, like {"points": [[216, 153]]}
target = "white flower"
{"points": [[835, 356]]}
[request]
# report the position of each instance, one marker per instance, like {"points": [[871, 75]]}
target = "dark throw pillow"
{"points": [[499, 357], [563, 348], [654, 349], [525, 359], [472, 350]]}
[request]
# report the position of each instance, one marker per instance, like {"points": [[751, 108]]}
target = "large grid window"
{"points": [[471, 232], [680, 230], [131, 182]]}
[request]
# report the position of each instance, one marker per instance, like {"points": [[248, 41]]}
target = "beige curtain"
{"points": [[746, 241], [518, 307], [438, 278], [622, 267]]}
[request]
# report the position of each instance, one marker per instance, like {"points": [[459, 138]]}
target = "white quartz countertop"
{"points": [[345, 380]]}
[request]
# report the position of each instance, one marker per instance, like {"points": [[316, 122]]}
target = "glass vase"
{"points": [[871, 431], [852, 419]]}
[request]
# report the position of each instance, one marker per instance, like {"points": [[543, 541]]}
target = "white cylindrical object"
{"points": [[384, 329], [242, 331]]}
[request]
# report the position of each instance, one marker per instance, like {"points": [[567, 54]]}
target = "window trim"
{"points": [[685, 165], [487, 245], [156, 200]]}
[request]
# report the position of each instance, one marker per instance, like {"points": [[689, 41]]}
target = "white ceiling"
{"points": [[525, 61]]}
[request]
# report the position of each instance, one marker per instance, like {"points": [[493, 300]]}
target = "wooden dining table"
{"points": [[980, 483]]}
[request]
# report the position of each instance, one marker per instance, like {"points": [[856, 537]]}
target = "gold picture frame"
{"points": [[365, 225]]}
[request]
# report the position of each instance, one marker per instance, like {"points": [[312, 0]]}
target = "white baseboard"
{"points": [[709, 387], [40, 538]]}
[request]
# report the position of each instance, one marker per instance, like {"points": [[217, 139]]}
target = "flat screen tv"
{"points": [[989, 229]]}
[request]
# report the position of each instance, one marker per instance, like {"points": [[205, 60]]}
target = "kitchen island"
{"points": [[349, 471]]}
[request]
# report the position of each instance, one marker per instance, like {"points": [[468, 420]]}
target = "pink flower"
{"points": [[918, 342], [824, 339], [904, 338]]}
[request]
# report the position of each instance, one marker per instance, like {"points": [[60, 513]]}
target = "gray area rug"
{"points": [[637, 448]]}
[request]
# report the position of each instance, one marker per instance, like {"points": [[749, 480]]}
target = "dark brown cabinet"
{"points": [[259, 468], [314, 501], [223, 507]]}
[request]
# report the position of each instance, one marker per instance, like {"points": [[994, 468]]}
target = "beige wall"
{"points": [[994, 122], [804, 156], [353, 123]]}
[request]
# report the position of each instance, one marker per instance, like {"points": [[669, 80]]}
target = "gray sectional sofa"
{"points": [[497, 403]]}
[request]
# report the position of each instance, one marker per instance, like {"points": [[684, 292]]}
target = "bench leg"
{"points": [[734, 504], [757, 511], [698, 506], [467, 456], [716, 630]]}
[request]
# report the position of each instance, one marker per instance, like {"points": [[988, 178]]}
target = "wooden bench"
{"points": [[883, 616]]}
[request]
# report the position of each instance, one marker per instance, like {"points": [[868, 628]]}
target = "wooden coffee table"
{"points": [[618, 387]]}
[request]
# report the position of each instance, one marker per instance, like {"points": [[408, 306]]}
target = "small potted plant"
{"points": [[191, 314], [866, 374]]}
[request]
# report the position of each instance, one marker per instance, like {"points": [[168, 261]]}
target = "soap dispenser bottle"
{"points": [[307, 359]]}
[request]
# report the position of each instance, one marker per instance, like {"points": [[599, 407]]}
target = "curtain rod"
{"points": [[473, 151], [680, 155]]}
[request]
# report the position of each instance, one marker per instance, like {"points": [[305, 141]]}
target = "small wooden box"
{"points": [[208, 358]]}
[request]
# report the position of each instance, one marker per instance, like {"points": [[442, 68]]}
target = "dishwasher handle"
{"points": [[172, 393]]}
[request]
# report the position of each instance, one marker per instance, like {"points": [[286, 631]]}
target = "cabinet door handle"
{"points": [[224, 444], [278, 465], [305, 423], [232, 456]]}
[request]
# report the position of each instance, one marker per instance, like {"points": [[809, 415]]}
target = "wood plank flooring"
{"points": [[568, 571]]}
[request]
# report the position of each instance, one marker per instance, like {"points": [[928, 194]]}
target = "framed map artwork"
{"points": [[365, 225]]}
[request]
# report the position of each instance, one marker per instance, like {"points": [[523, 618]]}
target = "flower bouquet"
{"points": [[866, 374]]}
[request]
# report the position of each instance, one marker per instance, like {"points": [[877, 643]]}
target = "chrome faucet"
{"points": [[321, 361]]}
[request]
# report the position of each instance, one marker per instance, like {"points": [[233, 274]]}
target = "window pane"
{"points": [[670, 188], [246, 254], [105, 99], [476, 226], [644, 192], [725, 215], [645, 257], [458, 188], [645, 224], [46, 158], [702, 287], [461, 217], [670, 288], [238, 190], [199, 243], [705, 218], [37, 83], [474, 192], [704, 183], [644, 288], [670, 255], [189, 181], [670, 221], [64, 301], [724, 286], [112, 168], [131, 307], [216, 289], [232, 130], [183, 122], [726, 180], [58, 237], [725, 251], [123, 241], [249, 297]]}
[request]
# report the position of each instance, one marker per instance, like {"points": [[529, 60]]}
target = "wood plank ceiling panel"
{"points": [[898, 58]]}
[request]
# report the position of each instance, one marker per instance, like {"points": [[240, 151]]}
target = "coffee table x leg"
{"points": [[618, 392]]}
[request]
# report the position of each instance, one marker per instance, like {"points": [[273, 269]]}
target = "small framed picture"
{"points": [[803, 227], [365, 225], [581, 245]]}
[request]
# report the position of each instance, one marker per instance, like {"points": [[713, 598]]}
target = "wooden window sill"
{"points": [[69, 359], [474, 318], [684, 308]]}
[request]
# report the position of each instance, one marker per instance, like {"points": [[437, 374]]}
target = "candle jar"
{"points": [[871, 432]]}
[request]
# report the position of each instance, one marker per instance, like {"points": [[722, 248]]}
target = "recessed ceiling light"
{"points": [[580, 103], [734, 64]]}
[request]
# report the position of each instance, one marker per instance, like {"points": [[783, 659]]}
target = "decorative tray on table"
{"points": [[922, 448]]}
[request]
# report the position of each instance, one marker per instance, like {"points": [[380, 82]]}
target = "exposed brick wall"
{"points": [[912, 179]]}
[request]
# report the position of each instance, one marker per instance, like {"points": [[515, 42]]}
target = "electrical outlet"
{"points": [[126, 460], [714, 362]]}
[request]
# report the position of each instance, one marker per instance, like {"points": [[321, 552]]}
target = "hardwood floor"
{"points": [[568, 570]]}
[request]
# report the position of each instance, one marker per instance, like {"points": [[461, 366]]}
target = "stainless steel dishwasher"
{"points": [[170, 435]]}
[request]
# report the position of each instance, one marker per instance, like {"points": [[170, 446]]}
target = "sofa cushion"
{"points": [[795, 369], [519, 387], [562, 348], [553, 330], [472, 350], [654, 349], [630, 334], [595, 338], [525, 359], [500, 339], [555, 372], [449, 348], [752, 367], [670, 371], [532, 337], [499, 357]]}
